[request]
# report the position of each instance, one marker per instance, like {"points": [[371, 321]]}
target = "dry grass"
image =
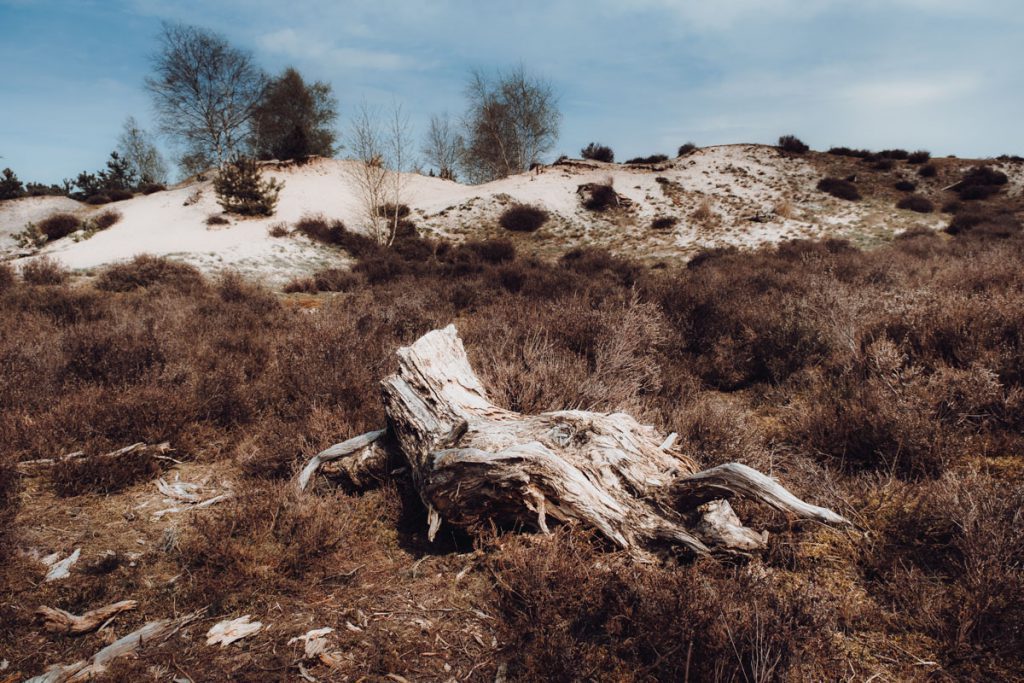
{"points": [[44, 271], [703, 214], [887, 383], [783, 209]]}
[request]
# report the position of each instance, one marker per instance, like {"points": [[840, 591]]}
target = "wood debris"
{"points": [[96, 665], [60, 569], [230, 630], [60, 621]]}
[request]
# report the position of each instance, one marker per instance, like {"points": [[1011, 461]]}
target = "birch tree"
{"points": [[380, 150], [205, 92], [511, 122]]}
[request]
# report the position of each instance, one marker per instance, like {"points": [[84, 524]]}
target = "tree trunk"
{"points": [[474, 463]]}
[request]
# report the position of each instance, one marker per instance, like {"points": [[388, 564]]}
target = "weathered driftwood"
{"points": [[474, 462], [158, 451], [59, 621], [363, 457], [87, 669]]}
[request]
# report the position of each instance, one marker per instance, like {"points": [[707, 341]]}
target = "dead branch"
{"points": [[59, 621], [96, 665]]}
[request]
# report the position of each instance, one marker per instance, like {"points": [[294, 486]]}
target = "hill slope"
{"points": [[741, 195]]}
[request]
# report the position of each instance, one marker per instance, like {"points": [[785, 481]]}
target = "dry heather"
{"points": [[886, 383]]}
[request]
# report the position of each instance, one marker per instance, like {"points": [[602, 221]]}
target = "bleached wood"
{"points": [[88, 669], [60, 569], [474, 463], [362, 453], [34, 467], [733, 478], [60, 621]]}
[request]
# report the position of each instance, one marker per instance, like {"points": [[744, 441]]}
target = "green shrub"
{"points": [[146, 271], [980, 182], [334, 280], [10, 186], [600, 198], [792, 144], [652, 159], [241, 189], [105, 220], [598, 152]]}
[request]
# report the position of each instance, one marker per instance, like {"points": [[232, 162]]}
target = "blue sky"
{"points": [[642, 76]]}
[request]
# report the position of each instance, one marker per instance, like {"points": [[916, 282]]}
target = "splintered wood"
{"points": [[473, 462]]}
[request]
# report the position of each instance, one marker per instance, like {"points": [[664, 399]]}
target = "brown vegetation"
{"points": [[59, 225], [843, 189], [523, 218], [44, 271], [889, 380]]}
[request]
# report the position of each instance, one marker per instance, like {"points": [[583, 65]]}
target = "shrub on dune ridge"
{"points": [[793, 145], [523, 218], [598, 152], [59, 225], [842, 189]]}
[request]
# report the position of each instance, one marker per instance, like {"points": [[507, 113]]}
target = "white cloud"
{"points": [[725, 14], [911, 92], [291, 43]]}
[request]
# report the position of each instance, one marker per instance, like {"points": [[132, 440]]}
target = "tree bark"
{"points": [[474, 463]]}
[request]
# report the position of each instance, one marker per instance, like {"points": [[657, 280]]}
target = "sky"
{"points": [[642, 76]]}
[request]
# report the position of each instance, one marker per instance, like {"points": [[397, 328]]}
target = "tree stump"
{"points": [[475, 463]]}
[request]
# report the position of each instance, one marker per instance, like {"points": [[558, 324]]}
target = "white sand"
{"points": [[738, 181]]}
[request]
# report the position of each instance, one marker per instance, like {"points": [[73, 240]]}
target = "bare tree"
{"points": [[511, 122], [381, 150], [442, 146], [136, 146], [205, 91]]}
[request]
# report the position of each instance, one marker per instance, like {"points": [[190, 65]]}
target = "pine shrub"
{"points": [[241, 189]]}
